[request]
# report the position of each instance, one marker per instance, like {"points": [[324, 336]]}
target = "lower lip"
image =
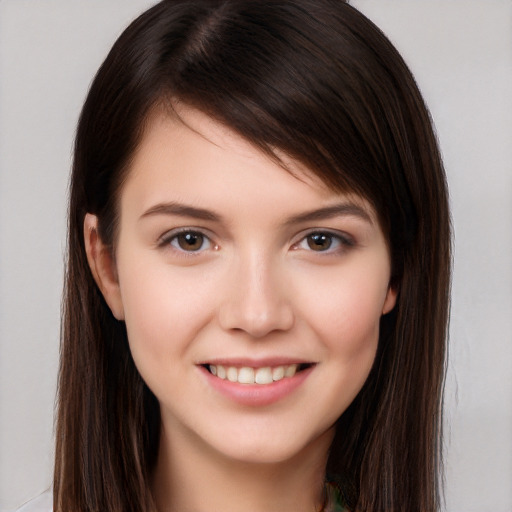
{"points": [[257, 394]]}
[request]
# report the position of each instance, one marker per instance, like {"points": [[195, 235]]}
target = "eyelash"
{"points": [[172, 239], [341, 241]]}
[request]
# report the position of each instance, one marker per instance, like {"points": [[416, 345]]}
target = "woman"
{"points": [[258, 270]]}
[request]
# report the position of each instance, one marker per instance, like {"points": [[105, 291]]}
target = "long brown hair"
{"points": [[319, 82]]}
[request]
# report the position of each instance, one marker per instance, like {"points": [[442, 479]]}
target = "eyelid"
{"points": [[164, 241], [344, 239]]}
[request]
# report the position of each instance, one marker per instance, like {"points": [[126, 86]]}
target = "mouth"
{"points": [[261, 376]]}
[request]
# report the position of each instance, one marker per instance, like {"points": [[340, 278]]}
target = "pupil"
{"points": [[319, 242], [190, 241]]}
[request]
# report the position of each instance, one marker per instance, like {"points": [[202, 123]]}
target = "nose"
{"points": [[256, 299]]}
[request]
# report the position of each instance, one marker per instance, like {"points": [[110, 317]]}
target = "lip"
{"points": [[254, 363], [255, 395]]}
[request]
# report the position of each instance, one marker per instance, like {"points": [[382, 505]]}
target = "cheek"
{"points": [[346, 319], [346, 312], [163, 309]]}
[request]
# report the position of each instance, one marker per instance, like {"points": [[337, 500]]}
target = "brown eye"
{"points": [[319, 241], [190, 241]]}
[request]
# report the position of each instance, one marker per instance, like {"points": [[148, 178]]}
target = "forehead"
{"points": [[190, 133], [187, 156]]}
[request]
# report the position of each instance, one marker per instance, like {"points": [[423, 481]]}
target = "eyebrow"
{"points": [[328, 212], [181, 210]]}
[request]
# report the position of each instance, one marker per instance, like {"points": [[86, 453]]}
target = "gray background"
{"points": [[461, 54]]}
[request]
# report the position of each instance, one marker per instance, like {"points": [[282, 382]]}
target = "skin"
{"points": [[265, 281]]}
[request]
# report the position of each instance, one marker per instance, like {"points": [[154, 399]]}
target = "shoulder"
{"points": [[43, 503]]}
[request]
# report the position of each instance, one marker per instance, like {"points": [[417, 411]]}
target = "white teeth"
{"points": [[291, 370], [247, 375], [232, 374], [221, 371], [263, 375], [278, 373]]}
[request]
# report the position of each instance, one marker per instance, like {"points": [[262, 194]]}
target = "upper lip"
{"points": [[254, 363]]}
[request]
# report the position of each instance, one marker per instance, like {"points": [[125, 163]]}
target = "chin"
{"points": [[274, 449]]}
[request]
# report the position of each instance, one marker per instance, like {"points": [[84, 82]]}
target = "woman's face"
{"points": [[252, 296]]}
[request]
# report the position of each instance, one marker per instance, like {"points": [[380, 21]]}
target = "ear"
{"points": [[390, 300], [102, 264]]}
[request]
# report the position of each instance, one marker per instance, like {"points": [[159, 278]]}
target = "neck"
{"points": [[191, 478]]}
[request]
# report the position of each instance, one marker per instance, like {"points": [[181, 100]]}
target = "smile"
{"points": [[251, 384], [248, 375]]}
